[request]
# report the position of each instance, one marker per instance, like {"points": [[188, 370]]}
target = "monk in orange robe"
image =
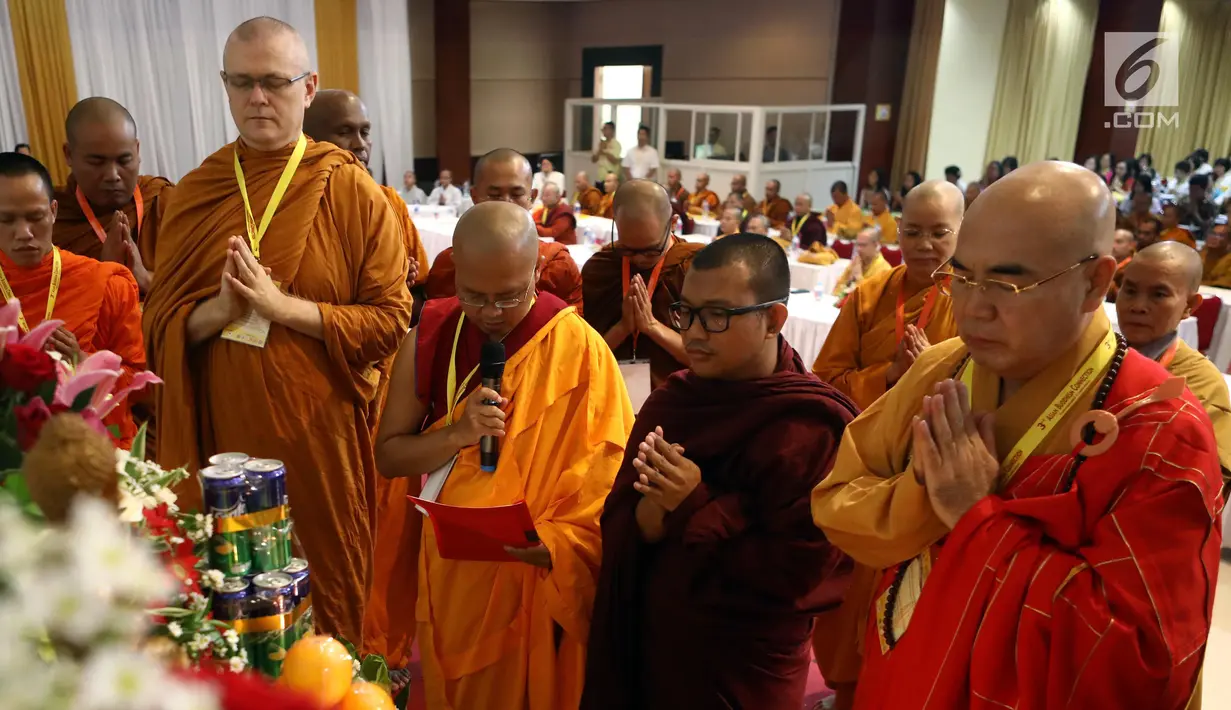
{"points": [[882, 218], [867, 263], [98, 302], [587, 197], [679, 200], [1123, 248], [1074, 567], [106, 201], [1216, 256], [610, 184], [327, 300], [741, 196], [554, 219], [888, 320], [1172, 231], [775, 207], [703, 199], [512, 633], [629, 286], [843, 217]]}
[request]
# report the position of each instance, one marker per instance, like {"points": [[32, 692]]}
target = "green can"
{"points": [[271, 546], [272, 596], [222, 489]]}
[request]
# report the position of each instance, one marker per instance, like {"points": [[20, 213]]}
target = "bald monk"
{"points": [[98, 302], [1216, 256], [712, 568], [610, 184], [740, 195], [867, 262], [1031, 571], [703, 200], [328, 274], [728, 221], [679, 200], [630, 286], [587, 197], [504, 175], [340, 117], [1123, 246], [106, 202], [889, 319], [881, 218], [807, 226], [759, 224], [553, 218], [509, 634], [1172, 231], [775, 207], [843, 217]]}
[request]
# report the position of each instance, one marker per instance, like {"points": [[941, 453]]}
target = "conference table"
{"points": [[1219, 351]]}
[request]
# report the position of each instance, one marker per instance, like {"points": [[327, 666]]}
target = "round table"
{"points": [[809, 276], [432, 211], [705, 225], [436, 233]]}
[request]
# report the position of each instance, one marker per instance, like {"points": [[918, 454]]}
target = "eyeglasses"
{"points": [[713, 318], [652, 251], [270, 84], [912, 233], [948, 282], [475, 301]]}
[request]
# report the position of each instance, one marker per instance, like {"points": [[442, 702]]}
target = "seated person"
{"points": [[547, 174], [1196, 208], [703, 200], [1148, 231], [807, 226], [844, 214], [610, 184], [554, 218], [740, 195], [446, 194], [1123, 248], [1216, 256], [729, 222], [882, 218], [866, 262], [774, 206], [588, 198], [1172, 231]]}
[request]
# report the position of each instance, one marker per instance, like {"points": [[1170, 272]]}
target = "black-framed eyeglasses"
{"points": [[948, 282], [714, 319], [652, 251], [504, 304], [270, 84]]}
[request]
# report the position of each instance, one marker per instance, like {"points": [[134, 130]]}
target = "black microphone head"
{"points": [[491, 361]]}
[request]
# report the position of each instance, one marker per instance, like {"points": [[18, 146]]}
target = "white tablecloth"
{"points": [[1220, 345], [581, 253], [436, 234], [705, 225], [432, 211], [808, 276]]}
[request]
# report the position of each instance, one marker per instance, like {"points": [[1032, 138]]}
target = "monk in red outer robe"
{"points": [[712, 569], [554, 219]]}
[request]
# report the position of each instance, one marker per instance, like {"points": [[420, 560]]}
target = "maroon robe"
{"points": [[719, 613], [812, 231]]}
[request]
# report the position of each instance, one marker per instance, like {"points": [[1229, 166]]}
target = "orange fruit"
{"points": [[319, 667], [366, 696]]}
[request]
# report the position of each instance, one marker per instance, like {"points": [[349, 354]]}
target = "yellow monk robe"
{"points": [[888, 226], [701, 202], [1178, 234], [1216, 268], [822, 256], [72, 230], [99, 304], [847, 219], [509, 635], [604, 206], [1208, 384], [864, 340], [847, 281], [777, 212], [308, 402], [589, 200], [410, 234]]}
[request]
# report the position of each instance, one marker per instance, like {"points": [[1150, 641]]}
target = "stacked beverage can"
{"points": [[229, 459], [223, 489], [271, 544], [298, 571], [272, 595], [230, 604]]}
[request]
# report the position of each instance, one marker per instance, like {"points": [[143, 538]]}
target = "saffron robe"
{"points": [[410, 234], [589, 199], [559, 276], [1178, 234], [1099, 596], [558, 223], [863, 341], [700, 202], [719, 612], [100, 305], [847, 281], [507, 634], [810, 231], [1118, 279], [1208, 384], [72, 230], [333, 241], [848, 219], [777, 211], [602, 283], [1216, 268], [887, 223], [820, 256], [604, 206]]}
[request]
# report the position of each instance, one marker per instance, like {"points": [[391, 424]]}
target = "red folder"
{"points": [[479, 533]]}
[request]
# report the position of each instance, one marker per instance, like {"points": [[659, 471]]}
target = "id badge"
{"points": [[251, 328], [436, 483], [636, 375]]}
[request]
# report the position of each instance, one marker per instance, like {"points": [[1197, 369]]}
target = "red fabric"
{"points": [[1207, 317], [893, 256], [559, 277], [719, 613], [560, 225], [843, 248], [1099, 597]]}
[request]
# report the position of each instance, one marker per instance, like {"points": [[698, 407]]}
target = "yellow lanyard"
{"points": [[1085, 378], [255, 233], [451, 392], [799, 223], [54, 291]]}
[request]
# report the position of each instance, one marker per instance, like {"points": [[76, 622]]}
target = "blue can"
{"points": [[224, 491], [266, 485], [231, 599], [298, 570]]}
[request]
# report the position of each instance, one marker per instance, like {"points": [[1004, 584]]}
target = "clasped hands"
{"points": [[665, 477], [638, 314], [245, 283], [954, 452], [914, 342], [120, 248]]}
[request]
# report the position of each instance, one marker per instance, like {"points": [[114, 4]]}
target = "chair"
{"points": [[1207, 317], [893, 256], [843, 248]]}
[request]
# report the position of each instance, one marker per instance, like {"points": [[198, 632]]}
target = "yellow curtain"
{"points": [[337, 44], [45, 70], [1203, 27], [1044, 60], [915, 119]]}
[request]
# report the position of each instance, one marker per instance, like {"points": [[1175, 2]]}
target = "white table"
{"points": [[432, 211], [436, 233], [705, 225], [1220, 344], [581, 253], [809, 276]]}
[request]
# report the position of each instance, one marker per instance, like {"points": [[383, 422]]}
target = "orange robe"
{"points": [[506, 634], [847, 281], [99, 304], [72, 231], [333, 241], [604, 206], [1208, 384], [559, 277], [558, 223], [410, 234], [700, 202], [1118, 279], [888, 226], [847, 219], [589, 199], [777, 212], [1178, 234], [863, 341], [1216, 268]]}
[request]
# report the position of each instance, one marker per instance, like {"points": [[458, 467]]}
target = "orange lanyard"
{"points": [[924, 317], [626, 269], [94, 223], [1169, 354]]}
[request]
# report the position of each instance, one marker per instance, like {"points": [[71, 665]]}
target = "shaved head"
{"points": [[340, 117], [1182, 258], [1158, 291], [504, 175], [940, 192], [263, 29], [931, 217], [642, 213], [268, 75], [496, 254], [102, 152], [98, 110], [496, 230]]}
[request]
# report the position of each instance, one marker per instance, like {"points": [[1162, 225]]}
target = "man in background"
{"points": [[1148, 231], [703, 200], [1172, 231], [611, 183], [547, 173], [641, 161], [553, 218], [587, 197], [446, 193], [953, 176], [758, 224], [844, 215], [771, 142], [1196, 208], [23, 148], [608, 156], [1178, 184], [1122, 249], [728, 222], [1216, 256], [775, 207], [679, 199], [867, 262], [807, 226], [411, 193], [882, 218], [740, 195]]}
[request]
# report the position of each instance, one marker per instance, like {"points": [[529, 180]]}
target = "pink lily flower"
{"points": [[99, 371], [10, 332]]}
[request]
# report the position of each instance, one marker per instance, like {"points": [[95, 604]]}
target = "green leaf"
{"points": [[138, 448], [15, 487], [350, 647], [83, 400], [374, 670], [46, 391]]}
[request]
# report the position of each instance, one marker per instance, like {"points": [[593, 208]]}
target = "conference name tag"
{"points": [[636, 374], [251, 328]]}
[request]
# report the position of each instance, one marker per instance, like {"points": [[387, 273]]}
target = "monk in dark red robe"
{"points": [[712, 569], [558, 275], [807, 226], [554, 219]]}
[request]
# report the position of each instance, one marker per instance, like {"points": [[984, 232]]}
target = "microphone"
{"points": [[491, 369]]}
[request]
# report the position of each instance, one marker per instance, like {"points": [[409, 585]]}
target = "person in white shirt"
{"points": [[1222, 180], [641, 161], [607, 156], [446, 193], [412, 194], [1178, 184], [547, 173]]}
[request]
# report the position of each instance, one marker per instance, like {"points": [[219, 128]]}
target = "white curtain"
{"points": [[12, 112], [160, 59], [384, 83]]}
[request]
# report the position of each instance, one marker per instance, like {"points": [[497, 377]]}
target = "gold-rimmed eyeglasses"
{"points": [[270, 84], [948, 281], [504, 304]]}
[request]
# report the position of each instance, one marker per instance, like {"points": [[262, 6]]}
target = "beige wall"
{"points": [[423, 77]]}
